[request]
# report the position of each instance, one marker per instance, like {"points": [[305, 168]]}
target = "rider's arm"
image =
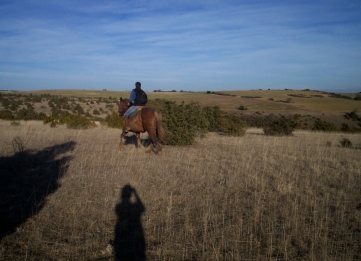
{"points": [[132, 97]]}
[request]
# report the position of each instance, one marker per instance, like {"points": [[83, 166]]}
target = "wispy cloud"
{"points": [[204, 45]]}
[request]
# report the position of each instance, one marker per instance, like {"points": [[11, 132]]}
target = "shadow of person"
{"points": [[129, 241], [26, 179]]}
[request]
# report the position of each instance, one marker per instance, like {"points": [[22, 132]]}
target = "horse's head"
{"points": [[122, 106]]}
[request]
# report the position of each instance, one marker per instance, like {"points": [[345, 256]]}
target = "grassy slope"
{"points": [[249, 198], [313, 104], [327, 108]]}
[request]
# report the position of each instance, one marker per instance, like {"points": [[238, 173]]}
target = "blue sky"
{"points": [[180, 45]]}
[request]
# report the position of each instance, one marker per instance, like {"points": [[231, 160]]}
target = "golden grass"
{"points": [[225, 198]]}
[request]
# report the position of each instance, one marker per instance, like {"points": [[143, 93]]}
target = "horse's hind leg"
{"points": [[158, 149], [155, 144], [150, 146], [138, 140]]}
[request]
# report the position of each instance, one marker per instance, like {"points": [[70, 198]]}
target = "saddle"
{"points": [[136, 111]]}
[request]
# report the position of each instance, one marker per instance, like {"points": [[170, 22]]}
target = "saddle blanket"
{"points": [[135, 112]]}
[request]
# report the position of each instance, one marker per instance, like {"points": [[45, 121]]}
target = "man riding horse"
{"points": [[140, 119], [135, 101]]}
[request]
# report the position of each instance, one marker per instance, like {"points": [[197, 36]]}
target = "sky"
{"points": [[185, 45]]}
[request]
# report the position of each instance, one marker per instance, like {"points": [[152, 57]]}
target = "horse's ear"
{"points": [[121, 98]]}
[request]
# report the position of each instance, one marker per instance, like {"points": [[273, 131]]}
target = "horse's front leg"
{"points": [[121, 144]]}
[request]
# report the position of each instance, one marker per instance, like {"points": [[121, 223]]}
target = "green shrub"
{"points": [[15, 123], [346, 128], [220, 121], [96, 112], [66, 107], [279, 125], [27, 114], [5, 102], [186, 122], [6, 115], [254, 120], [13, 106], [297, 117], [78, 122], [242, 108], [321, 125], [352, 116], [63, 117], [233, 125], [114, 121], [48, 119], [79, 109]]}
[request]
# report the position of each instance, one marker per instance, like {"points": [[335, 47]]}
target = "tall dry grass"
{"points": [[249, 198]]}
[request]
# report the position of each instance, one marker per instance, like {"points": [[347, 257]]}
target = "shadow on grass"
{"points": [[26, 179], [129, 241], [132, 139]]}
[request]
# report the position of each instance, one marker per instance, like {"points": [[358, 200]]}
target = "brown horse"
{"points": [[147, 120]]}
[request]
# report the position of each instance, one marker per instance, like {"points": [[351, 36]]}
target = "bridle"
{"points": [[121, 114]]}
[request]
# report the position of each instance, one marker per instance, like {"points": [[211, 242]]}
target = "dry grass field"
{"points": [[64, 196]]}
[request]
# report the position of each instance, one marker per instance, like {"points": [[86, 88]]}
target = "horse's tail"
{"points": [[160, 130]]}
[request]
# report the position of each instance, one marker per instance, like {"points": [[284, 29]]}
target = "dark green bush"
{"points": [[257, 121], [345, 128], [352, 116], [79, 109], [48, 119], [186, 122], [6, 115], [15, 123], [96, 112], [66, 107], [279, 125], [13, 106], [28, 114], [321, 125], [78, 122], [220, 121], [55, 112], [242, 108], [114, 121]]}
